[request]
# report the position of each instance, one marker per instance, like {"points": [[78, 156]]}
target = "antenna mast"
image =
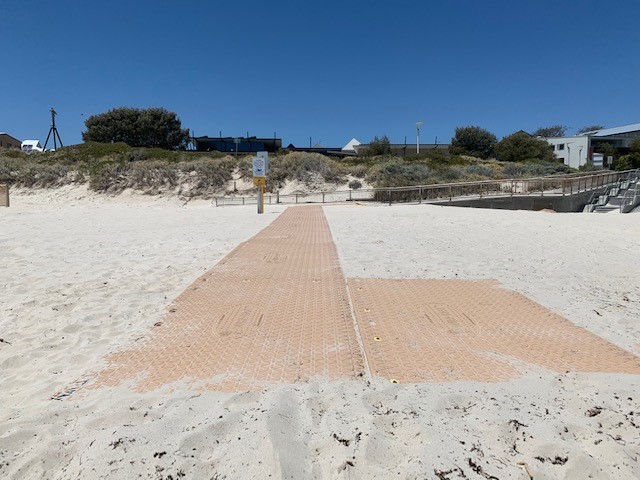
{"points": [[53, 130]]}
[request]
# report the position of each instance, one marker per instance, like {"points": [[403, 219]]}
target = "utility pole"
{"points": [[418, 124]]}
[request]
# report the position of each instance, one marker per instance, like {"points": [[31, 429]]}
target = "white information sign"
{"points": [[259, 167], [264, 155]]}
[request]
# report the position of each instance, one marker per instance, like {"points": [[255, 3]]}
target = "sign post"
{"points": [[260, 165]]}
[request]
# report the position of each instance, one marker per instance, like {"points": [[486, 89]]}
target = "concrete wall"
{"points": [[568, 203]]}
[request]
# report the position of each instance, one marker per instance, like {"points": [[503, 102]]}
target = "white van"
{"points": [[29, 146]]}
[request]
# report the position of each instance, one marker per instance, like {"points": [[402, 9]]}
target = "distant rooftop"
{"points": [[605, 132]]}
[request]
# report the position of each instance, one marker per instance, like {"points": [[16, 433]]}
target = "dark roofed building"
{"points": [[404, 149], [7, 141], [237, 144]]}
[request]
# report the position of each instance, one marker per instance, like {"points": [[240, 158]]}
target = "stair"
{"points": [[606, 208], [614, 197]]}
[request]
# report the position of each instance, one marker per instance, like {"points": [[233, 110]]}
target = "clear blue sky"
{"points": [[330, 70]]}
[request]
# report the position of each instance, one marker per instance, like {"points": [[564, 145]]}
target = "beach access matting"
{"points": [[276, 309], [279, 309]]}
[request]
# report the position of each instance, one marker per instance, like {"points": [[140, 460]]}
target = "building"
{"points": [[350, 147], [237, 144], [404, 149], [7, 141], [29, 146], [573, 151], [347, 151], [578, 150]]}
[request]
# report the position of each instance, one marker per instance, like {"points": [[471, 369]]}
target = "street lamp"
{"points": [[418, 136]]}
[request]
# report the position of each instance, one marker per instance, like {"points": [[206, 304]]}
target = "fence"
{"points": [[551, 185]]}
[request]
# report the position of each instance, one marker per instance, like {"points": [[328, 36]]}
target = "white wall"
{"points": [[574, 151]]}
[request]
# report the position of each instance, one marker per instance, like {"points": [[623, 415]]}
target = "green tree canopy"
{"points": [[552, 131], [590, 129], [631, 160], [151, 127], [521, 146], [379, 146], [474, 141]]}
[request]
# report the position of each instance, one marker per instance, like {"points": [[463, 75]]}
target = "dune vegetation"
{"points": [[114, 167]]}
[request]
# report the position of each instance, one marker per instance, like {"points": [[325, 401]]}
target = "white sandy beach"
{"points": [[84, 274]]}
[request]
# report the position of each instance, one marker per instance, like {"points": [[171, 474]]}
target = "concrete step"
{"points": [[606, 209]]}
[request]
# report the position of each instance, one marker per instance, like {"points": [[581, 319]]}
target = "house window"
{"points": [[561, 146]]}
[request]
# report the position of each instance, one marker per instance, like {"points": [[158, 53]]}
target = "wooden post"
{"points": [[4, 195]]}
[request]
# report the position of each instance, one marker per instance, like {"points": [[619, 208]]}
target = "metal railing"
{"points": [[551, 185], [631, 198]]}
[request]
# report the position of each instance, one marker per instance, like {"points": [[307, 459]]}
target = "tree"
{"points": [[379, 146], [474, 141], [589, 129], [552, 131], [151, 127], [631, 160], [521, 146]]}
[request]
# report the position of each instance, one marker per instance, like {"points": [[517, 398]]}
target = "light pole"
{"points": [[418, 136]]}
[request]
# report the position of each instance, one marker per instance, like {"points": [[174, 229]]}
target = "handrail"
{"points": [[548, 185], [628, 204]]}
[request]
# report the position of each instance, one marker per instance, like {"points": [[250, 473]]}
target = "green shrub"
{"points": [[109, 177], [209, 175], [398, 173], [359, 171], [152, 176], [534, 169], [625, 162], [478, 171], [474, 141], [355, 184], [34, 172], [521, 146], [305, 167], [513, 170]]}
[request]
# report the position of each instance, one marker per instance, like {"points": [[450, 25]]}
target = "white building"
{"points": [[578, 150], [349, 147], [29, 146], [573, 151]]}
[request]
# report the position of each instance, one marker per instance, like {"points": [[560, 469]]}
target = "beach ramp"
{"points": [[278, 309]]}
